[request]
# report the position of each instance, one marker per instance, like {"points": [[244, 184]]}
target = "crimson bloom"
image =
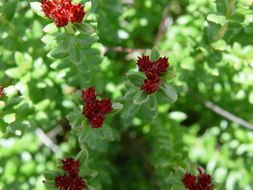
{"points": [[95, 110], [89, 95], [189, 180], [70, 180], [1, 91], [150, 86], [63, 11], [144, 64], [201, 182], [70, 165], [152, 70]]}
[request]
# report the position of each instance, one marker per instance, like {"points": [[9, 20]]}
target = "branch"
{"points": [[229, 13], [131, 52], [46, 140], [228, 115], [222, 112], [165, 22], [126, 50]]}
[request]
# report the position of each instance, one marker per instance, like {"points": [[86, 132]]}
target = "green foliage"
{"points": [[148, 141]]}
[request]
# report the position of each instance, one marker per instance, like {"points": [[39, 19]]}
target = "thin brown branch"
{"points": [[222, 112], [126, 50], [228, 115], [46, 140], [163, 25], [132, 51]]}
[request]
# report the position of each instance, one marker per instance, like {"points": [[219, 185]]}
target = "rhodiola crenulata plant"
{"points": [[87, 101]]}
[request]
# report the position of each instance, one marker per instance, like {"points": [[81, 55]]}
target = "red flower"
{"points": [[161, 65], [1, 91], [89, 110], [203, 182], [204, 179], [152, 70], [105, 106], [150, 86], [63, 11], [71, 180], [89, 95], [144, 63], [154, 76], [76, 13], [95, 109], [189, 180], [97, 120], [70, 165]]}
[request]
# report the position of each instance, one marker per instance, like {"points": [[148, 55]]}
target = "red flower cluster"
{"points": [[71, 180], [95, 109], [63, 11], [1, 91], [200, 182], [152, 70]]}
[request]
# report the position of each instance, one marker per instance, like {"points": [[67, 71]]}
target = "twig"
{"points": [[163, 25], [46, 140], [126, 50], [222, 112], [228, 115], [131, 51], [229, 13], [55, 131], [130, 2]]}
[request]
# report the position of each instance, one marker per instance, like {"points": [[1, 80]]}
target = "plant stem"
{"points": [[69, 29], [229, 13]]}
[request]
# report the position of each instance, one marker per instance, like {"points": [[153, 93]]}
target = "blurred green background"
{"points": [[144, 152]]}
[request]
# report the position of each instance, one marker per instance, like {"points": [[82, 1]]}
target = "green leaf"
{"points": [[108, 133], [88, 173], [83, 155], [9, 118], [136, 78], [75, 55], [77, 97], [152, 102], [237, 17], [84, 68], [155, 55], [24, 61], [85, 28], [49, 40], [130, 110], [86, 40], [85, 135], [166, 94], [57, 53], [13, 102], [66, 41], [50, 175], [36, 7], [140, 97], [117, 106], [131, 93], [75, 119], [50, 28], [218, 19], [220, 45], [14, 73], [169, 75]]}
